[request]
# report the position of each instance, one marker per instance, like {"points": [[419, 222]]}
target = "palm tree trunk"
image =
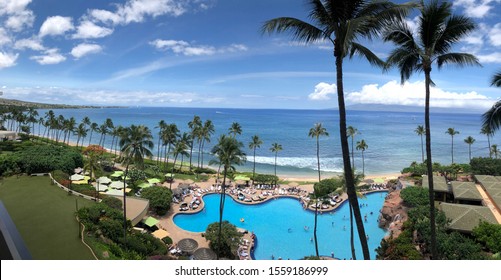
{"points": [[254, 167], [363, 164], [158, 148], [202, 160], [452, 149], [90, 137], [191, 152], [352, 153], [172, 174], [489, 143], [429, 166], [318, 161], [348, 172], [315, 229], [422, 148], [125, 206], [352, 239], [469, 151], [221, 209]]}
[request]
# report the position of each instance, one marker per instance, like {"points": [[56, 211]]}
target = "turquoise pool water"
{"points": [[280, 226]]}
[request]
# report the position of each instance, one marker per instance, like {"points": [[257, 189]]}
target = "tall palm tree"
{"points": [[94, 127], [342, 23], [228, 153], [438, 30], [315, 132], [469, 140], [169, 137], [351, 132], [180, 147], [275, 148], [421, 131], [161, 127], [135, 144], [81, 132], [451, 131], [495, 151], [194, 126], [253, 145], [206, 134], [362, 146], [487, 131], [235, 129]]}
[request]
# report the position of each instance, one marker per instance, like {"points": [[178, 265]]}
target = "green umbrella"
{"points": [[144, 185], [153, 181], [242, 177], [150, 221]]}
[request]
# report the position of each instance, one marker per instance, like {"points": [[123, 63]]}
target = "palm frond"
{"points": [[318, 13], [496, 80], [431, 22], [492, 118], [458, 59], [300, 30], [455, 28], [365, 52]]}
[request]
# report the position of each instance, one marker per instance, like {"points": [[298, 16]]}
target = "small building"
{"points": [[466, 193], [464, 218], [137, 208], [9, 135], [441, 189]]}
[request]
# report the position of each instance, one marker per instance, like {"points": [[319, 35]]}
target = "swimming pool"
{"points": [[280, 226]]}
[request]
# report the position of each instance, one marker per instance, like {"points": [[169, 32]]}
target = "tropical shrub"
{"points": [[112, 202], [486, 166], [489, 235], [160, 199], [265, 179], [167, 240], [41, 159], [400, 248], [230, 238], [415, 196]]}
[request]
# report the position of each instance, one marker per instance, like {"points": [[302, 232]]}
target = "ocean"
{"points": [[392, 142]]}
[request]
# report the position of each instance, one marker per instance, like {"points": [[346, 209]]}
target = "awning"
{"points": [[150, 221], [160, 233]]}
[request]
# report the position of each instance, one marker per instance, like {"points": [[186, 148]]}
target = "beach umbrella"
{"points": [[187, 245], [153, 181], [242, 177], [204, 254], [101, 187], [150, 221], [117, 185], [144, 185], [78, 170], [117, 174], [115, 192], [103, 180], [76, 177], [160, 233], [168, 175]]}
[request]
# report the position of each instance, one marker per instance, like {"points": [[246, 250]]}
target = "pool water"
{"points": [[280, 226]]}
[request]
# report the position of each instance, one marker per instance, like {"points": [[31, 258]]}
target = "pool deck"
{"points": [[256, 195]]}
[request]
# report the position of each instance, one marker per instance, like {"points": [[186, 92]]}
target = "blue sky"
{"points": [[210, 53]]}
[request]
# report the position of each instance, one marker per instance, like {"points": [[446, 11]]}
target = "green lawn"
{"points": [[44, 216]]}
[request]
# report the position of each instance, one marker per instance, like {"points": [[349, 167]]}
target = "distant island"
{"points": [[36, 105]]}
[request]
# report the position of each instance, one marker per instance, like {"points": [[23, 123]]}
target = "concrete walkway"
{"points": [[489, 203]]}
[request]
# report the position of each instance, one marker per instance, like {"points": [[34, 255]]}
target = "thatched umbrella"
{"points": [[187, 245], [204, 254]]}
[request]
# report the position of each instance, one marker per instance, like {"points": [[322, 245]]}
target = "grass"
{"points": [[44, 216]]}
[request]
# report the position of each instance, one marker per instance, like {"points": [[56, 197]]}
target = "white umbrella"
{"points": [[117, 185], [103, 180], [101, 187], [76, 177]]}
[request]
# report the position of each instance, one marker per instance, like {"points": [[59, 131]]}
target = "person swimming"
{"points": [[306, 228]]}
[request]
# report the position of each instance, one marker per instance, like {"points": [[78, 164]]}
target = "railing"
{"points": [[15, 249], [71, 191]]}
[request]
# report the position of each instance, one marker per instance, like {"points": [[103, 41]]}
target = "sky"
{"points": [[211, 53]]}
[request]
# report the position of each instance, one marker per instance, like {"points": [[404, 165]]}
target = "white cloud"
{"points": [[88, 29], [322, 91], [85, 49], [137, 10], [4, 37], [489, 58], [20, 20], [185, 48], [495, 35], [31, 43], [7, 59], [51, 56], [475, 8], [13, 6], [413, 94], [56, 25], [105, 16]]}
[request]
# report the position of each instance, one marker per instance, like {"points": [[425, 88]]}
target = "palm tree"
{"points": [[253, 145], [275, 148], [438, 30], [315, 132], [206, 134], [195, 126], [135, 144], [81, 132], [228, 152], [469, 140], [492, 118], [180, 147], [496, 79], [495, 151], [93, 127], [235, 129], [421, 131], [343, 23], [351, 132], [451, 131], [169, 137], [161, 126], [487, 131], [362, 146]]}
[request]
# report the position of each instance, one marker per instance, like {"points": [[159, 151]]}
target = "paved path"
{"points": [[488, 202]]}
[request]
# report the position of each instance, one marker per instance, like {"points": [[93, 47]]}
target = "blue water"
{"points": [[390, 136], [271, 222]]}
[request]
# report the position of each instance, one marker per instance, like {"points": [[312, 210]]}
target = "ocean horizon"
{"points": [[392, 142]]}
